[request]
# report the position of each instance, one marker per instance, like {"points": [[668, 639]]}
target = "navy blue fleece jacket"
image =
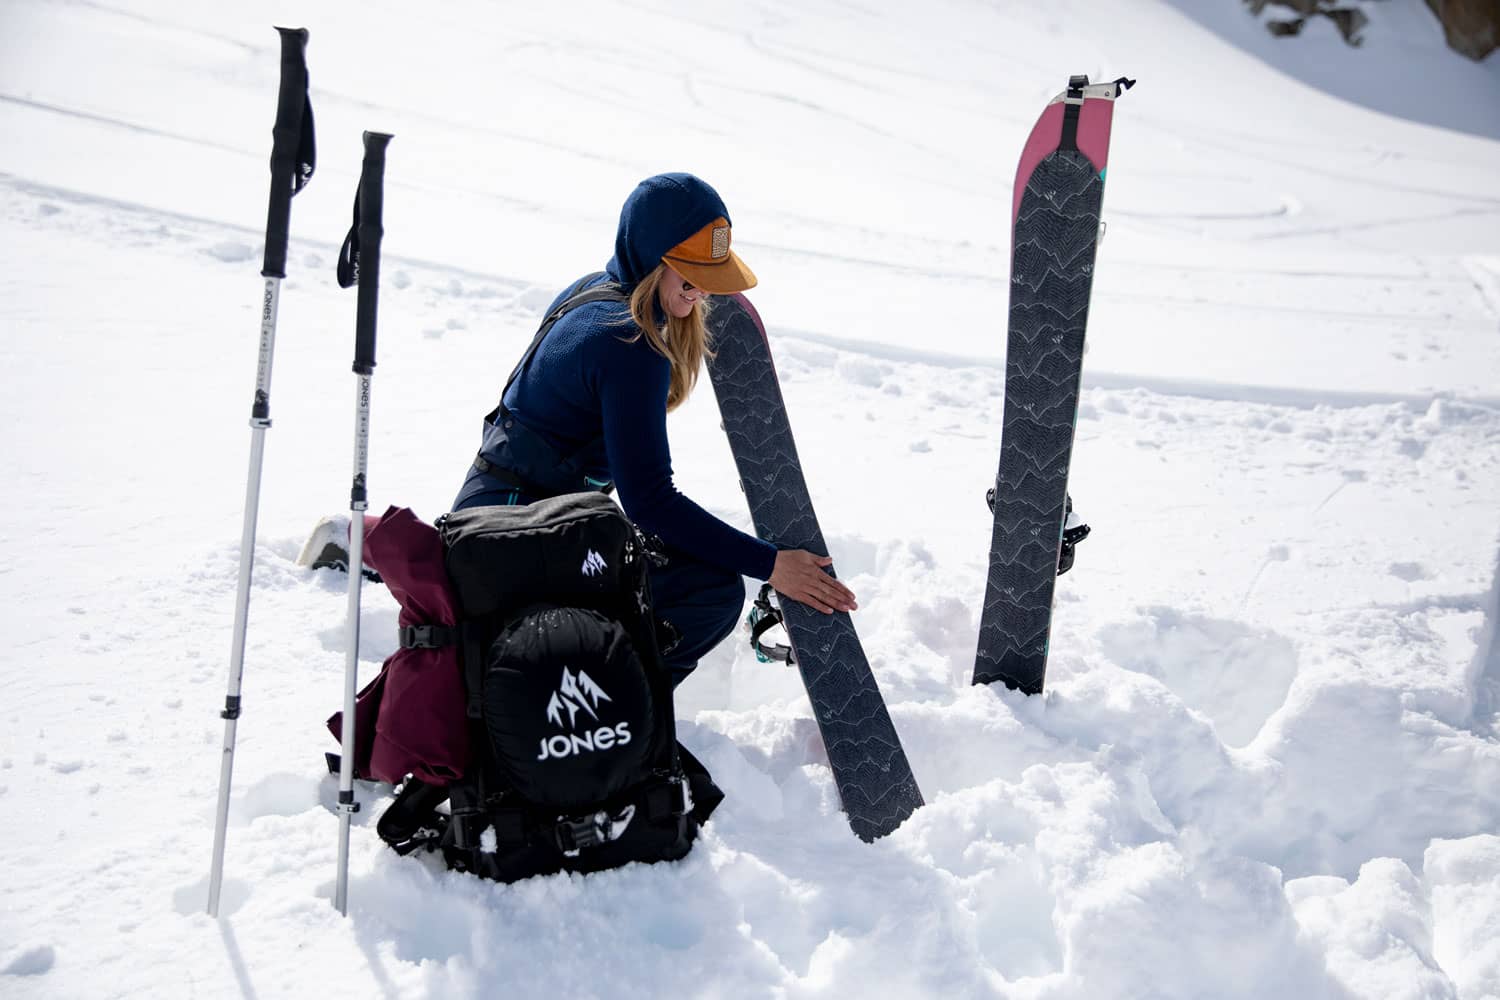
{"points": [[585, 377]]}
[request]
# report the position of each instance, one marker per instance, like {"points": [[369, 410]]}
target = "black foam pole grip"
{"points": [[285, 136], [371, 206]]}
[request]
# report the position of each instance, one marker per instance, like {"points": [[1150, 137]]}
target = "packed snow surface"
{"points": [[1266, 764]]}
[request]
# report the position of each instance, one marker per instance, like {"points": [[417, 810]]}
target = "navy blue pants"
{"points": [[701, 602]]}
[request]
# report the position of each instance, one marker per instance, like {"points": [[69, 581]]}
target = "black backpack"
{"points": [[576, 764]]}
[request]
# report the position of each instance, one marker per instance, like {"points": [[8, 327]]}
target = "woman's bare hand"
{"points": [[799, 575]]}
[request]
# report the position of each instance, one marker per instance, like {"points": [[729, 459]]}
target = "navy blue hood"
{"points": [[660, 213]]}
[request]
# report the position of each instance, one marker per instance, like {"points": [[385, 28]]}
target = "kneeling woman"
{"points": [[587, 406]]}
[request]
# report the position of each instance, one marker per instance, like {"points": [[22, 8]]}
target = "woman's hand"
{"points": [[798, 574]]}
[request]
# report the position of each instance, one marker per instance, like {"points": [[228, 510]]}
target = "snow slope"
{"points": [[1267, 764]]}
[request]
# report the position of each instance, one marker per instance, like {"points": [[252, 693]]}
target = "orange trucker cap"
{"points": [[705, 260]]}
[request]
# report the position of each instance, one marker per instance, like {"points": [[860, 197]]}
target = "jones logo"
{"points": [[579, 693], [602, 738], [594, 564]]}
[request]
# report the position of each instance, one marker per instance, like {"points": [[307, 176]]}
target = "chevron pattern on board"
{"points": [[869, 764], [1052, 271]]}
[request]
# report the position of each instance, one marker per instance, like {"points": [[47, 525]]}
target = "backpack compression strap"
{"points": [[663, 799], [427, 636]]}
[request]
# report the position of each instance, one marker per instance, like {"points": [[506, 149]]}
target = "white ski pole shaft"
{"points": [[292, 160], [358, 503], [359, 264]]}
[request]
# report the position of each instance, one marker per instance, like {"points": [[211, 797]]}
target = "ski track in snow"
{"points": [[1266, 763]]}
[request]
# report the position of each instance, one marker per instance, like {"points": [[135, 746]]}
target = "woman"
{"points": [[587, 407]]}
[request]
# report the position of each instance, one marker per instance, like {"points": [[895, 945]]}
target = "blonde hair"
{"points": [[683, 342]]}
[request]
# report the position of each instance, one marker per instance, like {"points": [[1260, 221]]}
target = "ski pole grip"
{"points": [[371, 206], [286, 136]]}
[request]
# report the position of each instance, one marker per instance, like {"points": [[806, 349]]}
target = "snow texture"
{"points": [[1267, 762]]}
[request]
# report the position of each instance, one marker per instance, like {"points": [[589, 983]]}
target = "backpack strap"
{"points": [[665, 798], [473, 665], [577, 295]]}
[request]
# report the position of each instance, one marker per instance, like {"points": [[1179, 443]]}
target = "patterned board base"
{"points": [[869, 764], [1056, 235]]}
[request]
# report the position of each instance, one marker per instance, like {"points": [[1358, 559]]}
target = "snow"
{"points": [[1267, 762]]}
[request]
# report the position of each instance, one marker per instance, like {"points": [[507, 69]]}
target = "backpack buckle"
{"points": [[573, 835], [425, 636]]}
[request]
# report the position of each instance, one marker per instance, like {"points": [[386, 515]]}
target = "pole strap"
{"points": [[348, 266]]}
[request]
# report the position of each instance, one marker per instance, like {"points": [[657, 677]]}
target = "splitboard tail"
{"points": [[1055, 209], [870, 768]]}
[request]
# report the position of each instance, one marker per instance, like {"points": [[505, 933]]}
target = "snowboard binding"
{"points": [[1074, 531], [763, 617]]}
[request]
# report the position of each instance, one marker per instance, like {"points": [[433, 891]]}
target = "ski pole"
{"points": [[359, 263], [292, 160]]}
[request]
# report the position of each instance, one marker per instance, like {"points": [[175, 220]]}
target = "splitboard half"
{"points": [[869, 764], [1059, 191]]}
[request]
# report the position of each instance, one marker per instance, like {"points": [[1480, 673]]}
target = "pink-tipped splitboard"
{"points": [[1059, 192]]}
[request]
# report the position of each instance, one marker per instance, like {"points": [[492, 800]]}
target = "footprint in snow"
{"points": [[1235, 674], [1412, 448], [277, 795], [34, 961], [231, 251], [192, 898], [1411, 572], [677, 932]]}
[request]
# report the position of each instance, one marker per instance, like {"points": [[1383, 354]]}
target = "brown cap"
{"points": [[705, 260]]}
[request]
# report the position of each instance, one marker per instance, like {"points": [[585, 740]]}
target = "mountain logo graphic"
{"points": [[594, 564], [577, 693]]}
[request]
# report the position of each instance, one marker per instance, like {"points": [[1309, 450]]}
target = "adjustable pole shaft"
{"points": [[291, 166], [362, 267], [260, 420], [358, 503]]}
